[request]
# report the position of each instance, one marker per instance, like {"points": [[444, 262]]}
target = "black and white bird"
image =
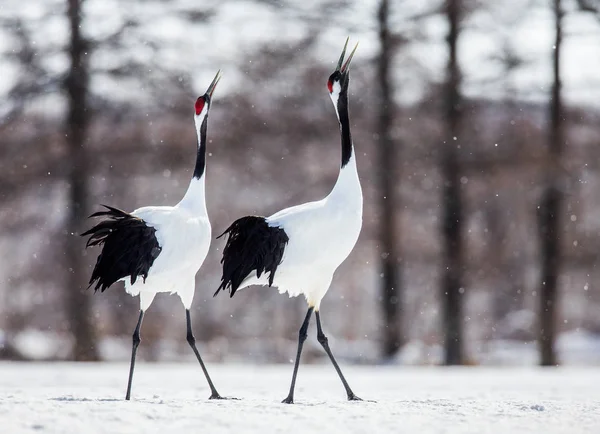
{"points": [[158, 248], [298, 249]]}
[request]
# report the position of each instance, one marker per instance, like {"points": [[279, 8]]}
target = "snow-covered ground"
{"points": [[172, 398]]}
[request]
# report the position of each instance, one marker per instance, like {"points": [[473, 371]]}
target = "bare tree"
{"points": [[77, 120], [592, 6], [388, 184], [549, 211], [452, 219], [508, 293]]}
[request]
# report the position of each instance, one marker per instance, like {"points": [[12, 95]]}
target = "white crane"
{"points": [[158, 248], [298, 249]]}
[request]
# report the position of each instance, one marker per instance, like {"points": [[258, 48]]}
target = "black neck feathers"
{"points": [[342, 106], [201, 156]]}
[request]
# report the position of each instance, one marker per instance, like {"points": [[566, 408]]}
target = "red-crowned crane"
{"points": [[158, 248], [298, 249]]}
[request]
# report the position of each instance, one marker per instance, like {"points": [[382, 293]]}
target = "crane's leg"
{"points": [[325, 343], [301, 338], [192, 341], [136, 343]]}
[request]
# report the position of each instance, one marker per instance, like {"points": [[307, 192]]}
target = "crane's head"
{"points": [[203, 102], [338, 81]]}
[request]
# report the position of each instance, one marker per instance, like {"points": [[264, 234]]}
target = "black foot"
{"points": [[217, 396], [288, 400], [353, 397]]}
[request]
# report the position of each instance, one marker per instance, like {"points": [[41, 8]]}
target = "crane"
{"points": [[298, 249], [159, 248]]}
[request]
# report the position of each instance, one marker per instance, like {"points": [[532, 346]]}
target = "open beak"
{"points": [[214, 83], [341, 66]]}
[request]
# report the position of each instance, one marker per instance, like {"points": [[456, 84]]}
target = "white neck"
{"points": [[195, 197], [347, 187]]}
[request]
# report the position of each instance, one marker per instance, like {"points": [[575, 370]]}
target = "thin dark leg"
{"points": [[301, 338], [325, 343], [136, 343], [192, 341]]}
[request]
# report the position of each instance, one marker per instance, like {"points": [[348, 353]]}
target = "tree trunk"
{"points": [[550, 211], [389, 257], [78, 302], [451, 286]]}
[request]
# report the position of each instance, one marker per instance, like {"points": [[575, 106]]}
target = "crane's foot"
{"points": [[353, 397], [217, 396], [288, 400]]}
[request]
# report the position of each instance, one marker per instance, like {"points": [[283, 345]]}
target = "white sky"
{"points": [[239, 27]]}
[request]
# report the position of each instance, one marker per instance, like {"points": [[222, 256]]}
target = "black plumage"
{"points": [[252, 246], [129, 247]]}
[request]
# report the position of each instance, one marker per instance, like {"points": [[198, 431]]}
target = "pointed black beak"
{"points": [[341, 66], [214, 83]]}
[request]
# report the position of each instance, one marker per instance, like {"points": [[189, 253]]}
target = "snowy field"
{"points": [[172, 398]]}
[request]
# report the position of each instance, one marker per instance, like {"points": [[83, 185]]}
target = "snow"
{"points": [[64, 397]]}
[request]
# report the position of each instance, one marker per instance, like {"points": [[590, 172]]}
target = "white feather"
{"points": [[321, 236], [185, 239], [336, 89]]}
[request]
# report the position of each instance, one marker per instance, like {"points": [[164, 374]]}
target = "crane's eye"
{"points": [[199, 105]]}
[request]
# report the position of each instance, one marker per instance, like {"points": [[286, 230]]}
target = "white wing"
{"points": [[183, 237]]}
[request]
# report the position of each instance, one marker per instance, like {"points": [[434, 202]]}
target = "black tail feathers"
{"points": [[129, 247], [252, 246]]}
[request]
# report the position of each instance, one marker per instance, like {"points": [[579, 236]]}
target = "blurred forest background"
{"points": [[477, 130]]}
